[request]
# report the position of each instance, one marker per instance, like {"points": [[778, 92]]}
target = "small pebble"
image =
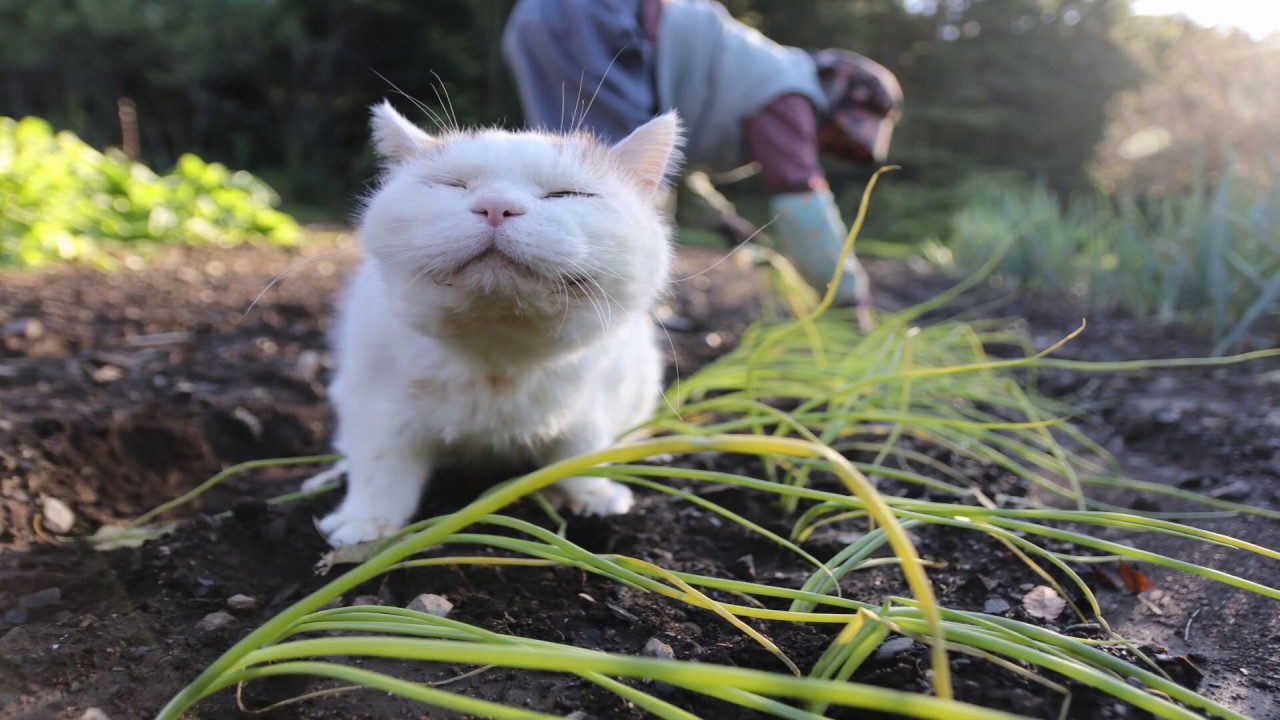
{"points": [[657, 649], [40, 599], [214, 621], [308, 365], [995, 606], [1235, 490], [249, 421], [241, 603], [94, 713], [16, 645], [366, 600], [58, 518], [892, 648], [431, 605], [15, 616], [621, 613], [29, 328]]}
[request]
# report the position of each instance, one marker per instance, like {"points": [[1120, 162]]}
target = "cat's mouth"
{"points": [[492, 260], [492, 255]]}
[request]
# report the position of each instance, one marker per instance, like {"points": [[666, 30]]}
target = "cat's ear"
{"points": [[652, 151], [395, 138]]}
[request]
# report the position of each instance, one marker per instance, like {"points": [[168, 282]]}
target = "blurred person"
{"points": [[610, 65]]}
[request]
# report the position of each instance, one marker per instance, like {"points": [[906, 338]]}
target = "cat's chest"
{"points": [[458, 402]]}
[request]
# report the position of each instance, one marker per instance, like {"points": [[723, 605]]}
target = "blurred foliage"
{"points": [[282, 86], [1208, 109], [1209, 254], [989, 84], [1029, 87], [64, 200]]}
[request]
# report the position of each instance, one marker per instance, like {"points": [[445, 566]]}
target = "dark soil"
{"points": [[118, 392]]}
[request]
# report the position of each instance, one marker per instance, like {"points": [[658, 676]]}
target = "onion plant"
{"points": [[1210, 254]]}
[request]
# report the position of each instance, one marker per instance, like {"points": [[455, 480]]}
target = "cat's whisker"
{"points": [[604, 304], [389, 226], [727, 255], [447, 102], [675, 365], [599, 85], [573, 118], [561, 125], [585, 283], [565, 292], [435, 117], [292, 268], [595, 266], [591, 276]]}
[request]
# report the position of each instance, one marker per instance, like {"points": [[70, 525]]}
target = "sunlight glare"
{"points": [[1259, 19]]}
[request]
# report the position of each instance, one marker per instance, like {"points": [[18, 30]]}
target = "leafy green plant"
{"points": [[64, 200], [1210, 255]]}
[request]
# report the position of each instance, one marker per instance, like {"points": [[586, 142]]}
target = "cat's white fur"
{"points": [[496, 316]]}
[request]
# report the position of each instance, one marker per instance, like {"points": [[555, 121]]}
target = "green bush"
{"points": [[64, 200]]}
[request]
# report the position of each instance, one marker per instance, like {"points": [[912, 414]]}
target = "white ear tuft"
{"points": [[652, 150], [395, 138]]}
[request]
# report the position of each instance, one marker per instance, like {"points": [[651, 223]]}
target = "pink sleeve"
{"points": [[650, 15], [783, 137]]}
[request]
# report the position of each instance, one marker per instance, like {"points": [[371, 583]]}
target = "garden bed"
{"points": [[121, 391]]}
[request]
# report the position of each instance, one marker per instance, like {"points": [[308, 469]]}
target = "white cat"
{"points": [[503, 311]]}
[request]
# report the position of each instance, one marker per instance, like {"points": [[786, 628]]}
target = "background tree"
{"points": [[279, 87], [1209, 108], [1014, 87]]}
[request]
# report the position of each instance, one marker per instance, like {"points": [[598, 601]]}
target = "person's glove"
{"points": [[809, 232]]}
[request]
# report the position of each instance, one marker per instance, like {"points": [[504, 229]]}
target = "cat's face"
{"points": [[548, 228]]}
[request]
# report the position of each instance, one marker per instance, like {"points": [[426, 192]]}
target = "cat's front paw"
{"points": [[344, 527], [326, 478], [596, 496]]}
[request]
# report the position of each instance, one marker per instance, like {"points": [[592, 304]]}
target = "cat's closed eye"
{"points": [[450, 182], [569, 193]]}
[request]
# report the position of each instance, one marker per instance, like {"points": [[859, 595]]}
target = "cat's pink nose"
{"points": [[496, 210]]}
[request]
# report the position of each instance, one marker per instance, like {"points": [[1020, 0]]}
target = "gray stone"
{"points": [[40, 599], [308, 365], [431, 605], [29, 328], [250, 421], [57, 516], [995, 606], [16, 645], [892, 648], [657, 649], [241, 603], [214, 622], [1236, 490]]}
